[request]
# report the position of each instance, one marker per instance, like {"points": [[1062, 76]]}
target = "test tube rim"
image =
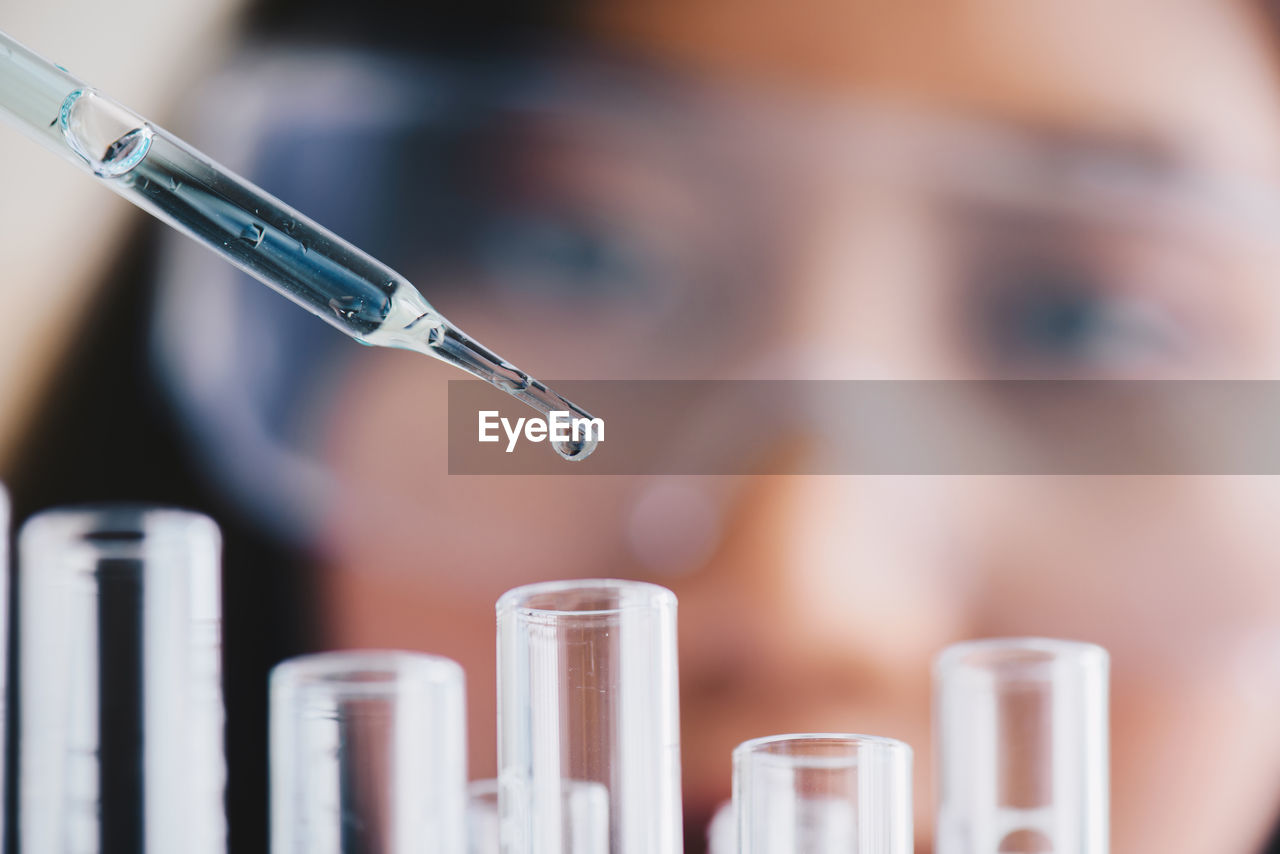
{"points": [[85, 524], [958, 658], [107, 510], [512, 602], [756, 748], [333, 669]]}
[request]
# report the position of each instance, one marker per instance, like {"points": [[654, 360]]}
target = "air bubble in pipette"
{"points": [[110, 139]]}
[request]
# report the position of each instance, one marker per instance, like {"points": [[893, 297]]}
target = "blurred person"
{"points": [[710, 190]]}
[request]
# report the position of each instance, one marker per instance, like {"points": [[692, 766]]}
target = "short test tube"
{"points": [[823, 793], [121, 712], [588, 705], [1022, 747], [368, 754]]}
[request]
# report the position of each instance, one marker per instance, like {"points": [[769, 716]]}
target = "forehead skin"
{"points": [[1196, 76]]}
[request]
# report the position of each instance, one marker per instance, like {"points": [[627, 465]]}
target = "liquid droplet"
{"points": [[573, 451], [252, 234]]}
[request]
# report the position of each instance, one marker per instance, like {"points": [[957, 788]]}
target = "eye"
{"points": [[544, 253], [1065, 316]]}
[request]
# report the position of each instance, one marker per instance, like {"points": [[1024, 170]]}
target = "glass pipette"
{"points": [[248, 227]]}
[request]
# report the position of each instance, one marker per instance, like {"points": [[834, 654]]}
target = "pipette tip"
{"points": [[453, 345]]}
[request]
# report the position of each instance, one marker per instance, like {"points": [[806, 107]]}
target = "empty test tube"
{"points": [[4, 656], [482, 817], [120, 746], [368, 754], [823, 794], [1022, 747], [588, 706], [585, 810]]}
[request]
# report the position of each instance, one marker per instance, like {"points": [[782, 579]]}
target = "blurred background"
{"points": [[970, 189]]}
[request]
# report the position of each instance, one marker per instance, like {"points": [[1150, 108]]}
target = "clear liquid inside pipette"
{"points": [[349, 289]]}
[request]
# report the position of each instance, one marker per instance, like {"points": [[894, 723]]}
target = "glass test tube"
{"points": [[1022, 747], [722, 830], [585, 810], [4, 651], [368, 754], [588, 717], [823, 794], [121, 714], [482, 817]]}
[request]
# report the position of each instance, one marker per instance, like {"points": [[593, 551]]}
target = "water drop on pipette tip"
{"points": [[574, 451]]}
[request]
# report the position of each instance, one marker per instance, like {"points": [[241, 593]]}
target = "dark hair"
{"points": [[443, 26]]}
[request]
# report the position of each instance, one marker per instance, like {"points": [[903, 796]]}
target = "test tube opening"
{"points": [[823, 793], [552, 601]]}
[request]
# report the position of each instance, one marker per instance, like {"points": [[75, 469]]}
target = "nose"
{"points": [[828, 595], [831, 588], [845, 574], [820, 612]]}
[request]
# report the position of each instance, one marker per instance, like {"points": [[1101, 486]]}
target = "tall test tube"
{"points": [[1022, 747], [4, 654], [588, 704], [368, 754], [119, 635], [586, 817], [823, 794]]}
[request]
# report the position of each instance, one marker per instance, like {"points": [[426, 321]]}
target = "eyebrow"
{"points": [[1013, 160], [1067, 149]]}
